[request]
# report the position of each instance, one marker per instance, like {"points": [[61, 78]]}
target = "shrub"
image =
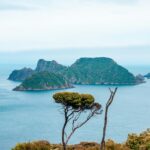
{"points": [[38, 145], [139, 142], [133, 142]]}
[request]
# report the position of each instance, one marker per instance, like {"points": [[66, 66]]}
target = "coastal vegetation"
{"points": [[134, 142]]}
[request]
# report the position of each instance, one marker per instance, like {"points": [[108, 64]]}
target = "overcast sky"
{"points": [[27, 24], [50, 24]]}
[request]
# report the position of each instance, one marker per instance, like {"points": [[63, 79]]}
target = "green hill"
{"points": [[98, 71], [20, 75], [43, 81]]}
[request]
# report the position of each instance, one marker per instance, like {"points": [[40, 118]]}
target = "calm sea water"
{"points": [[28, 116]]}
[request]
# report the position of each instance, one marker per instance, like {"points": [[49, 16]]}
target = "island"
{"points": [[140, 78], [85, 71], [43, 81], [100, 70], [42, 65], [21, 75], [147, 76]]}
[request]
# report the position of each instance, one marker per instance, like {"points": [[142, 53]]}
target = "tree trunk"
{"points": [[63, 131], [104, 130], [110, 100], [63, 137]]}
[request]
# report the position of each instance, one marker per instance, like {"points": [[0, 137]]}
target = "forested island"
{"points": [[50, 75], [147, 76]]}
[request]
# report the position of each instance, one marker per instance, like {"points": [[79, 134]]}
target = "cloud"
{"points": [[23, 4], [8, 6], [64, 24], [28, 4], [12, 7]]}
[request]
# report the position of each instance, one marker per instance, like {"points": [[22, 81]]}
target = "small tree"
{"points": [[73, 105]]}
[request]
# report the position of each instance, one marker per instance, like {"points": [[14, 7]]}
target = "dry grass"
{"points": [[134, 142]]}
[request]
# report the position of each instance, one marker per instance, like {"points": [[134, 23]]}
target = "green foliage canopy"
{"points": [[75, 100]]}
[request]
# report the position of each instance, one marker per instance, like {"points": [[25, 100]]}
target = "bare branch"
{"points": [[109, 102], [75, 119], [74, 128]]}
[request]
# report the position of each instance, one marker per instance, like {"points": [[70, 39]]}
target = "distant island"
{"points": [[21, 75], [50, 75], [147, 76]]}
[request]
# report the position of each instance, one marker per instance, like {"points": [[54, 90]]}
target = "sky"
{"points": [[27, 25]]}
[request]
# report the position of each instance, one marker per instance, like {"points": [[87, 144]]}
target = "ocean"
{"points": [[30, 116]]}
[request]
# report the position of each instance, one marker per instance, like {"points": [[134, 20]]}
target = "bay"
{"points": [[29, 116]]}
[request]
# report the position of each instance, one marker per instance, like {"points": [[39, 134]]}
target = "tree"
{"points": [[73, 106], [109, 102]]}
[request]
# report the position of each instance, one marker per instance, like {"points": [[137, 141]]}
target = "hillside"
{"points": [[49, 66], [98, 71], [43, 81], [20, 75]]}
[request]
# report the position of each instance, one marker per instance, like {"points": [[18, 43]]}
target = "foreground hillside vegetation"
{"points": [[133, 142]]}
